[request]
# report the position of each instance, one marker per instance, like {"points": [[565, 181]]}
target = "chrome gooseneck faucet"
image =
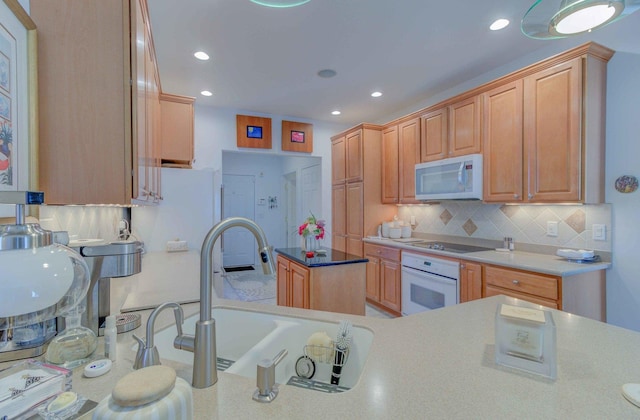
{"points": [[203, 343]]}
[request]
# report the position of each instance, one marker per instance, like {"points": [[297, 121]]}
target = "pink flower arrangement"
{"points": [[312, 226]]}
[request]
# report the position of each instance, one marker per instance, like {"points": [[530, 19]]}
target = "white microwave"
{"points": [[458, 178]]}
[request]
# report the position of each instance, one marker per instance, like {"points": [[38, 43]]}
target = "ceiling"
{"points": [[265, 60]]}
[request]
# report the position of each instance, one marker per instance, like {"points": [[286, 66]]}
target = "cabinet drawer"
{"points": [[382, 252], [494, 291], [519, 281]]}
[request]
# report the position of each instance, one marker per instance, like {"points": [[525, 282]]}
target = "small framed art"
{"points": [[297, 137], [253, 132]]}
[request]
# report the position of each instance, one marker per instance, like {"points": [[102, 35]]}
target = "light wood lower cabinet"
{"points": [[470, 281], [384, 286], [333, 288]]}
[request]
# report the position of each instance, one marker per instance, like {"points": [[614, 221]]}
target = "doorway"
{"points": [[238, 198], [291, 215]]}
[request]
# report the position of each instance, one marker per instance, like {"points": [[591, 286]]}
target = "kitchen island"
{"points": [[329, 280], [437, 364]]}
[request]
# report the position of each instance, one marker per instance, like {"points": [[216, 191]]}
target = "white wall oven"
{"points": [[428, 283]]}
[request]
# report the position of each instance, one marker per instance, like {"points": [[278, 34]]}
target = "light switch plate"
{"points": [[599, 232], [552, 228]]}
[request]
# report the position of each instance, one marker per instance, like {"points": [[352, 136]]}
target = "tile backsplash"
{"points": [[83, 222], [524, 223]]}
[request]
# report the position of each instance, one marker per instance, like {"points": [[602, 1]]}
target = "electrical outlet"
{"points": [[552, 228], [177, 246], [599, 232]]}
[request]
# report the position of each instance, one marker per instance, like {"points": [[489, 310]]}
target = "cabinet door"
{"points": [[433, 139], [502, 149], [470, 281], [177, 121], [299, 286], [390, 284], [464, 127], [355, 226], [373, 276], [338, 160], [552, 133], [390, 165], [409, 152], [354, 156], [282, 279], [338, 217]]}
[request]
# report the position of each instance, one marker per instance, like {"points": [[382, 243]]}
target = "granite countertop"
{"points": [[332, 257], [437, 364], [541, 263]]}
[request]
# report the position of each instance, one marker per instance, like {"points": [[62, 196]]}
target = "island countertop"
{"points": [[332, 257], [436, 364]]}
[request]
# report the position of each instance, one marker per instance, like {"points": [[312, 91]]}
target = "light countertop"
{"points": [[541, 263]]}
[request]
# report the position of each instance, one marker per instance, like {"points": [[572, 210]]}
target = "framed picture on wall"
{"points": [[253, 132], [18, 159], [297, 137]]}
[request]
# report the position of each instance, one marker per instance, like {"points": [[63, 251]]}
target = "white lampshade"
{"points": [[33, 279]]}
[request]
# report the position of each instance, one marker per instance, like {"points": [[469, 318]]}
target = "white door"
{"points": [[311, 192], [291, 217], [239, 247]]}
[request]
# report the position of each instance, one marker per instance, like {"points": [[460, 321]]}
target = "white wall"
{"points": [[623, 150]]}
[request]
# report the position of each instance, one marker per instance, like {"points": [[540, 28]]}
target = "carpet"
{"points": [[251, 286]]}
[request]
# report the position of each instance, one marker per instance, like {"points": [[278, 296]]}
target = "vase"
{"points": [[310, 243]]}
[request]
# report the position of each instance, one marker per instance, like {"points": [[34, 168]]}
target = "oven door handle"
{"points": [[430, 276]]}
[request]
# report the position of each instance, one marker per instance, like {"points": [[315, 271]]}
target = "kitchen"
{"points": [[220, 124]]}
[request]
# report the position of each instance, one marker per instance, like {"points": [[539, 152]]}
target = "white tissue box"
{"points": [[575, 254]]}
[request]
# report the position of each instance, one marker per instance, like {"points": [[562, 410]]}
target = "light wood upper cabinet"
{"points": [[88, 56], [464, 127], [552, 133], [400, 153], [177, 120], [390, 166], [502, 136], [354, 146], [434, 139], [409, 154], [338, 160]]}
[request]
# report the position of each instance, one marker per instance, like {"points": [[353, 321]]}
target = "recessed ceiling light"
{"points": [[280, 3], [201, 55], [499, 24], [206, 93], [327, 73], [376, 94], [336, 112]]}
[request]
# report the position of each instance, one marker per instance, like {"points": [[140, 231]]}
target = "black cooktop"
{"points": [[449, 247]]}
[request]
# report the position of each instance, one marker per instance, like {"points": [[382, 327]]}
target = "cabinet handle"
{"points": [[461, 265], [515, 196], [530, 196], [515, 282]]}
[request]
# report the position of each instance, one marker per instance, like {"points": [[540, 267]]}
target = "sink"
{"points": [[246, 337]]}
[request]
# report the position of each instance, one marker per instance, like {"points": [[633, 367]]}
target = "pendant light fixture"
{"points": [[545, 19]]}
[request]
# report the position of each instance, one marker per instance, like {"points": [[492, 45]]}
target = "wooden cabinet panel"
{"points": [[390, 292], [502, 137], [338, 160], [464, 127], [390, 166], [281, 280], [409, 155], [299, 286], [338, 216], [373, 277], [434, 141], [493, 291], [540, 285], [354, 146], [470, 281], [177, 119], [354, 223], [552, 132], [384, 277]]}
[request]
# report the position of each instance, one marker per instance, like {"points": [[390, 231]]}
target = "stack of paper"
{"points": [[575, 254]]}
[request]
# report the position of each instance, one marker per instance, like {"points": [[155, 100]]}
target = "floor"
{"points": [[230, 293]]}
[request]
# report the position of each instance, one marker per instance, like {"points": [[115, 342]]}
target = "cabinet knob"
{"points": [[461, 265], [530, 196], [515, 196], [515, 282]]}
